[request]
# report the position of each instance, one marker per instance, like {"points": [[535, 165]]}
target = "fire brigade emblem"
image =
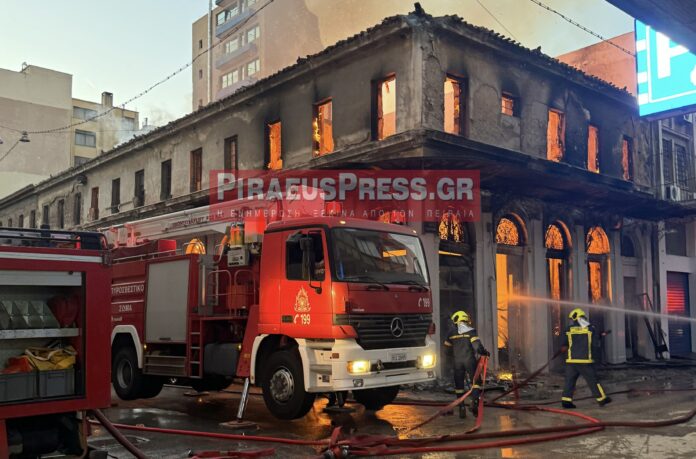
{"points": [[302, 301]]}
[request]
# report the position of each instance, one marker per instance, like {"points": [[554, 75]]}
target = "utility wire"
{"points": [[582, 27], [496, 19], [154, 85], [10, 150]]}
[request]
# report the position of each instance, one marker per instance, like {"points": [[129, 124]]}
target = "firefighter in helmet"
{"points": [[467, 348], [579, 339]]}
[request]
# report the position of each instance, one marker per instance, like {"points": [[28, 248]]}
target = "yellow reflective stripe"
{"points": [[459, 391], [448, 344], [601, 391], [570, 345], [589, 346], [476, 386], [566, 399], [474, 338], [579, 360]]}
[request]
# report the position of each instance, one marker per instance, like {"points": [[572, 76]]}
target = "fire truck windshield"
{"points": [[361, 255]]}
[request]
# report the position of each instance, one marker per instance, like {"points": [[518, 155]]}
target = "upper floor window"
{"points": [[627, 158], [200, 44], [230, 78], [322, 128], [230, 158], [61, 214], [166, 180], [77, 209], [508, 104], [94, 204], [274, 146], [139, 191], [32, 219], [592, 148], [196, 170], [84, 113], [555, 136], [128, 123], [386, 108], [232, 45], [252, 34], [221, 17], [20, 221], [253, 67], [85, 138], [115, 195], [453, 105], [200, 74], [45, 215]]}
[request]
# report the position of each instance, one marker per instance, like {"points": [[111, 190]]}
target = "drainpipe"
{"points": [[210, 51]]}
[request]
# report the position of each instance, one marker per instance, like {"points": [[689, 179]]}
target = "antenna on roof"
{"points": [[419, 9]]}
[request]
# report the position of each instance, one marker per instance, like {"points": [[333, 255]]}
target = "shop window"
{"points": [[274, 146], [322, 128], [453, 106], [386, 108], [593, 148], [555, 136]]}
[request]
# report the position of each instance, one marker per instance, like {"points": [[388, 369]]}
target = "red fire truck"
{"points": [[295, 304], [54, 339]]}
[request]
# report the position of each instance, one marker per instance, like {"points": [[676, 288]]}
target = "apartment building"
{"points": [[570, 205], [62, 131]]}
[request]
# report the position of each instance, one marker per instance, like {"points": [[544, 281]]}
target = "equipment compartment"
{"points": [[17, 386], [56, 383]]}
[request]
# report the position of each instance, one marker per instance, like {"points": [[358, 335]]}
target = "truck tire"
{"points": [[283, 386], [375, 399], [128, 380]]}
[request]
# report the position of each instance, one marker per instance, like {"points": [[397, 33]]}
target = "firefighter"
{"points": [[579, 340], [465, 344]]}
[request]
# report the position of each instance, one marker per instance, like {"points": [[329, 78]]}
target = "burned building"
{"points": [[569, 205]]}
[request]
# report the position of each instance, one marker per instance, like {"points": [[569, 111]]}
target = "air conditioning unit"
{"points": [[673, 193]]}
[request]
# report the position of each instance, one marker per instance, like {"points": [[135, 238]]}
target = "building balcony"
{"points": [[224, 92], [232, 23], [244, 51]]}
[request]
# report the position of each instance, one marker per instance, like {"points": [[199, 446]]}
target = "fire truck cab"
{"points": [[297, 306]]}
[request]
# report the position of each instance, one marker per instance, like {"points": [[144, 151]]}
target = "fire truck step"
{"points": [[165, 365]]}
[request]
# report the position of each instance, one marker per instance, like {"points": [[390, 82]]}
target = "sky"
{"points": [[125, 46]]}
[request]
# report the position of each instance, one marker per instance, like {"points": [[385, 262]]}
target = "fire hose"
{"points": [[372, 445]]}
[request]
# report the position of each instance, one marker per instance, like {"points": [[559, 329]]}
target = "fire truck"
{"points": [[54, 339], [291, 300]]}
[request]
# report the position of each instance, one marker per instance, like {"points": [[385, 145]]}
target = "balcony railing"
{"points": [[243, 51], [232, 22]]}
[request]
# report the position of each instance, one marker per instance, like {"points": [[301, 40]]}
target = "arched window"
{"points": [[450, 228], [597, 241], [554, 238], [627, 247], [510, 231]]}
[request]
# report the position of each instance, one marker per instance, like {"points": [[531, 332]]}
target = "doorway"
{"points": [[678, 305], [557, 243], [630, 320]]}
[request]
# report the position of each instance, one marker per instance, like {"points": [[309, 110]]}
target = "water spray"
{"points": [[602, 307]]}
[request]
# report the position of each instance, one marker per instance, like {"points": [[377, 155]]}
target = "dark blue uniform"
{"points": [[580, 342], [465, 346]]}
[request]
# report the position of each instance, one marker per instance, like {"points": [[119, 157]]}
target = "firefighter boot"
{"points": [[462, 411], [605, 401], [568, 405], [475, 406]]}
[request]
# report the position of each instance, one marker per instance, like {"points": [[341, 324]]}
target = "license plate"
{"points": [[398, 357]]}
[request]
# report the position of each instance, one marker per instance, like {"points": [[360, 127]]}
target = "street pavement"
{"points": [[173, 409]]}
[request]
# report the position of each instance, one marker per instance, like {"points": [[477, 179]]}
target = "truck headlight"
{"points": [[426, 361], [358, 367]]}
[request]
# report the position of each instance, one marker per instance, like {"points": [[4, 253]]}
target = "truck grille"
{"points": [[375, 330]]}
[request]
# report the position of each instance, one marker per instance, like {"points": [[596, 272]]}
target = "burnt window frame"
{"points": [[462, 82], [61, 213], [196, 170], [515, 104], [20, 221], [627, 173], [562, 135], [165, 179], [598, 160], [94, 203], [45, 215], [267, 144], [376, 107], [32, 219], [230, 154], [316, 145]]}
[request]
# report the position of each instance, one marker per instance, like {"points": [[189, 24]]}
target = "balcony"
{"points": [[232, 23], [224, 92], [243, 51]]}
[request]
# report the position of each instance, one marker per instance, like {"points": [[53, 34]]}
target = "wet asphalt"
{"points": [[179, 408]]}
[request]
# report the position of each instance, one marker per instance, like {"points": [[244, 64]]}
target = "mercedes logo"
{"points": [[397, 327]]}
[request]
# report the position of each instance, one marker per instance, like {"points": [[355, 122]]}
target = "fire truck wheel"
{"points": [[126, 377], [375, 399], [283, 386]]}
